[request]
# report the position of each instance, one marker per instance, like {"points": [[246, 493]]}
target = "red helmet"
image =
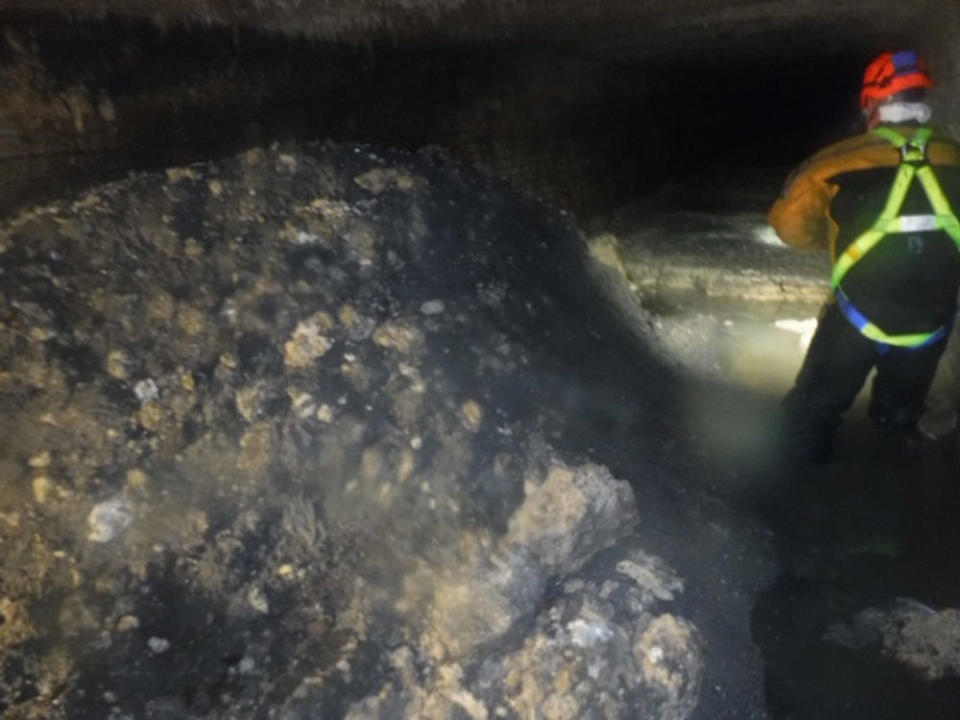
{"points": [[892, 73]]}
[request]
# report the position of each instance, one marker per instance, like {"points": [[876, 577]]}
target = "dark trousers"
{"points": [[834, 370]]}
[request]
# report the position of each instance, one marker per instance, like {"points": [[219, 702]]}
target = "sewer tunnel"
{"points": [[173, 553]]}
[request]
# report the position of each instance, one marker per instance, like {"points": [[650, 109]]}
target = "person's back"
{"points": [[909, 280], [881, 203]]}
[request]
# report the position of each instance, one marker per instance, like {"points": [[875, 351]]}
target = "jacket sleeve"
{"points": [[801, 215]]}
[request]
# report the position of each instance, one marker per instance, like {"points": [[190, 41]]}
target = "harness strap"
{"points": [[898, 140], [869, 239], [913, 164], [946, 219], [872, 332]]}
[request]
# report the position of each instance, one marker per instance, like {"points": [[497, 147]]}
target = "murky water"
{"points": [[853, 538]]}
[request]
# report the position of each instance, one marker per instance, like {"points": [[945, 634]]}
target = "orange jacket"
{"points": [[801, 215]]}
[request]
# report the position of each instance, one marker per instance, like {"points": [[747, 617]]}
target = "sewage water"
{"points": [[866, 544]]}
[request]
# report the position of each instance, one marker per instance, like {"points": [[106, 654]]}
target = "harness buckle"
{"points": [[913, 152]]}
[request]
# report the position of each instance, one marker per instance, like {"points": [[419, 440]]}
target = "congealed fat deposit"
{"points": [[279, 435]]}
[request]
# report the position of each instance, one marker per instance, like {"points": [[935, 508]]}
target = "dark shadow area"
{"points": [[867, 547], [588, 130]]}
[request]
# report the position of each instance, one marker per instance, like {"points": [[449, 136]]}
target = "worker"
{"points": [[882, 205]]}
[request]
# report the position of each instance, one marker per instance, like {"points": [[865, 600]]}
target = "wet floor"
{"points": [[867, 539], [873, 531]]}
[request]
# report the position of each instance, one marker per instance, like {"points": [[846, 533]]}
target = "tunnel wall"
{"points": [[581, 132], [945, 66], [588, 106], [621, 27], [76, 110]]}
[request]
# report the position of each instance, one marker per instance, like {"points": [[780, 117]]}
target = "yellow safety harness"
{"points": [[913, 164]]}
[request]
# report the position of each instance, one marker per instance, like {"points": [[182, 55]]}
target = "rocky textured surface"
{"points": [[923, 639], [276, 437], [601, 648]]}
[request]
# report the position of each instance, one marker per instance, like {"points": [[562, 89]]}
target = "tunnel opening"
{"points": [[687, 139]]}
